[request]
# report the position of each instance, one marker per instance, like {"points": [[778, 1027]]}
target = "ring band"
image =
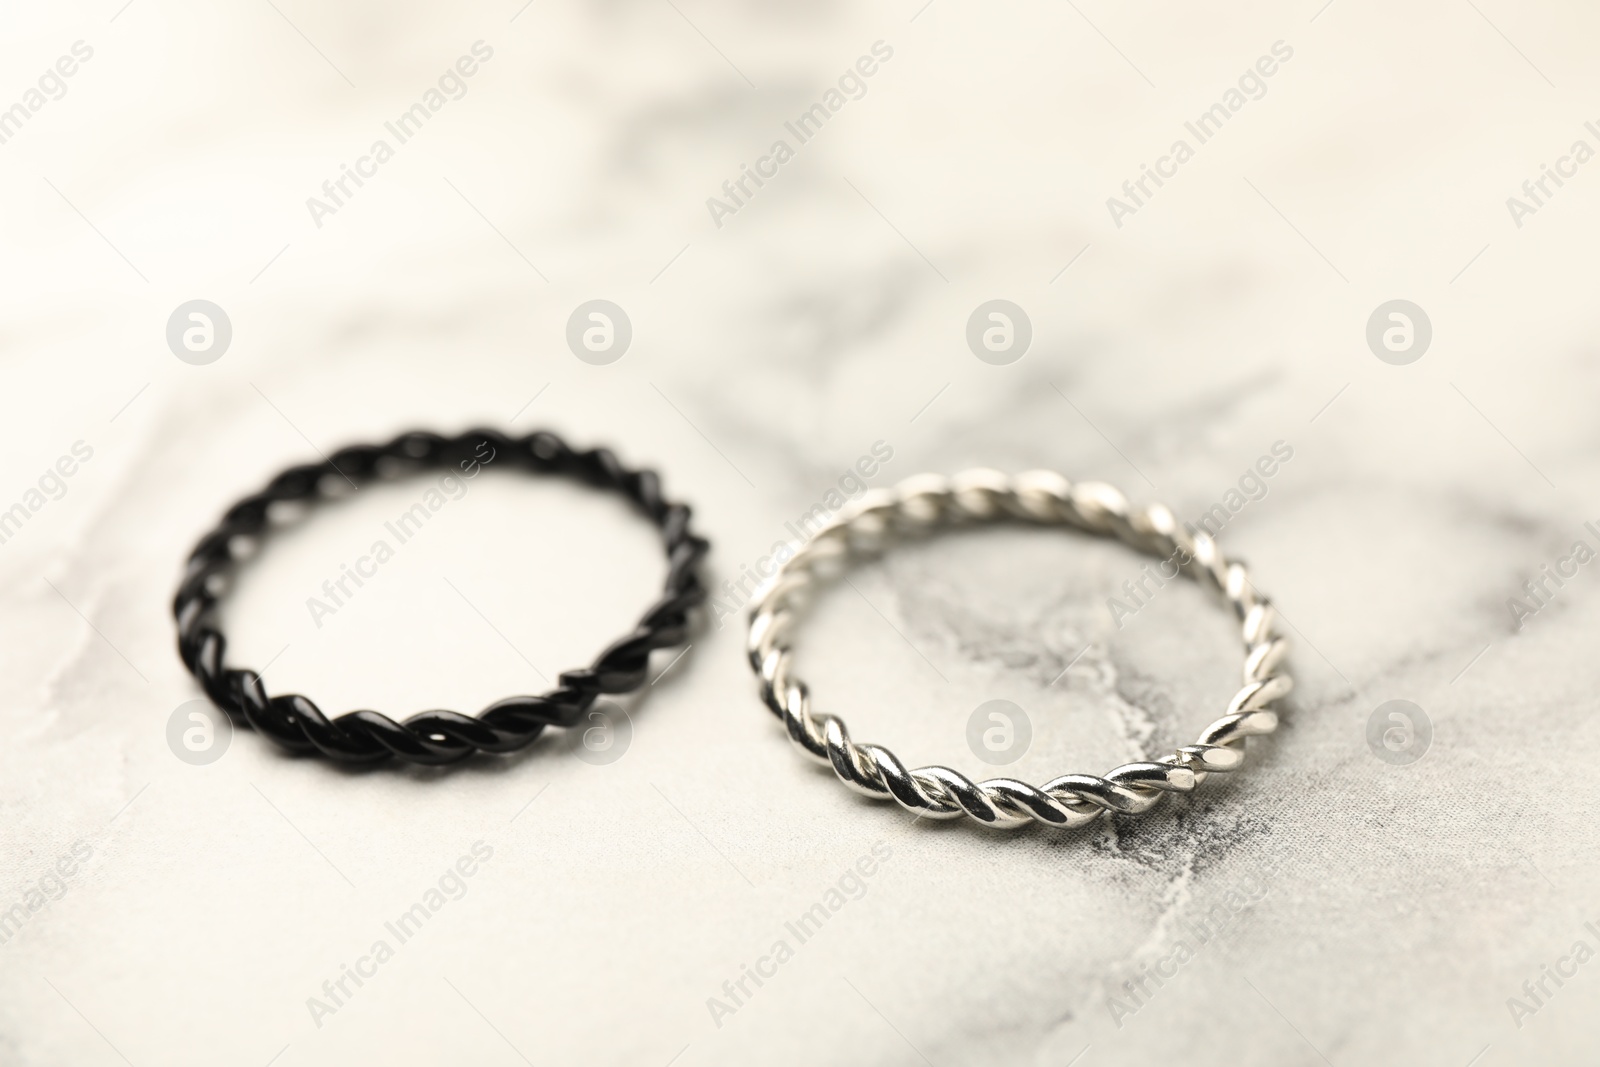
{"points": [[430, 737], [925, 502]]}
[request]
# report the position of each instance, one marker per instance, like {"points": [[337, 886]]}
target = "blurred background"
{"points": [[1138, 243]]}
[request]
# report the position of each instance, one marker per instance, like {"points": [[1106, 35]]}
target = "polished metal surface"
{"points": [[926, 502]]}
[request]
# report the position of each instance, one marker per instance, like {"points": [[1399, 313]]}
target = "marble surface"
{"points": [[1325, 906]]}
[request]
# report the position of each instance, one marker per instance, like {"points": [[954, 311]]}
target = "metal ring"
{"points": [[925, 502], [430, 737]]}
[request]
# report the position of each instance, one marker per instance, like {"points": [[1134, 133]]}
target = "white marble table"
{"points": [[1324, 906]]}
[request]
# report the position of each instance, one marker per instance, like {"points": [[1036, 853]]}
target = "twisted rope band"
{"points": [[924, 502], [431, 737]]}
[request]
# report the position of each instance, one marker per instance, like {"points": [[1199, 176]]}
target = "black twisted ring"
{"points": [[431, 737]]}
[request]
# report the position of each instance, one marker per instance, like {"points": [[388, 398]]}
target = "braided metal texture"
{"points": [[925, 502], [431, 737]]}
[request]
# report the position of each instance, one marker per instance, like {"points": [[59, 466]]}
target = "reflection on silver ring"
{"points": [[925, 502]]}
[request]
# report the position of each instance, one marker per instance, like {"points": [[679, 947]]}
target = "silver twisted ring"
{"points": [[926, 501]]}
